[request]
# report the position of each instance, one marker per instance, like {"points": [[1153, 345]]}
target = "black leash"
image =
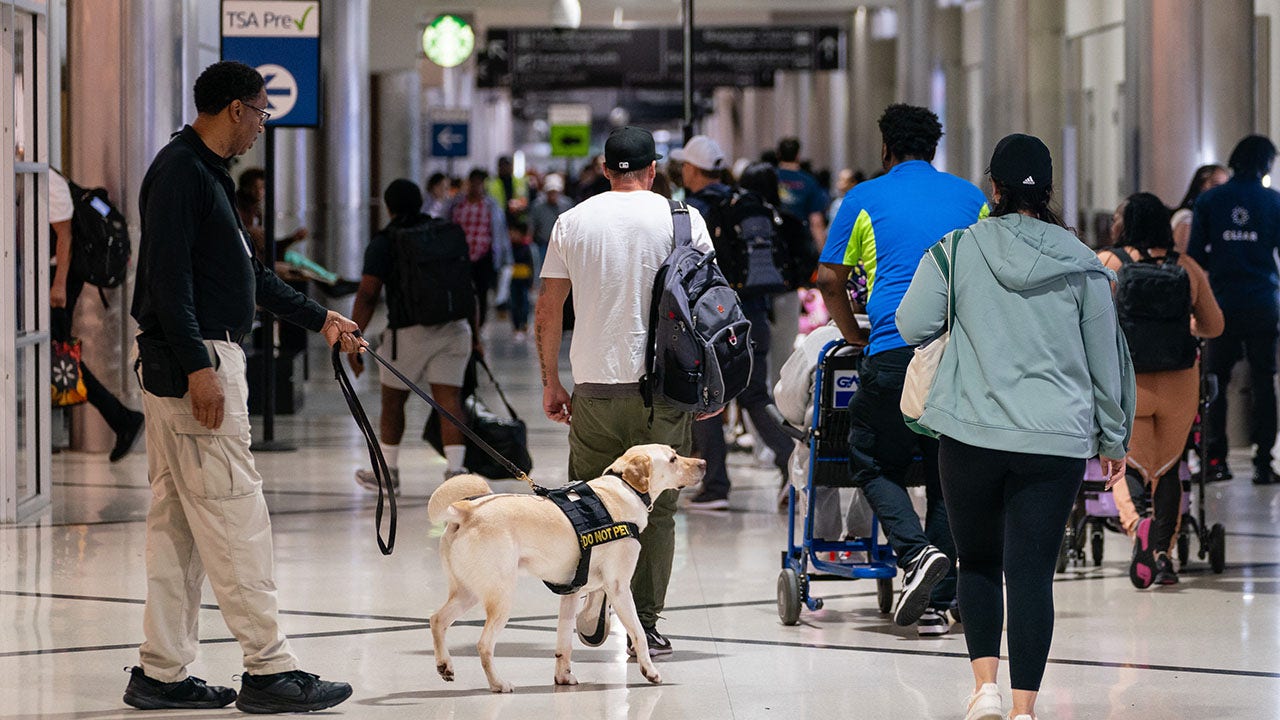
{"points": [[375, 454]]}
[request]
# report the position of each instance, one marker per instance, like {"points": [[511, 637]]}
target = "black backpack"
{"points": [[698, 353], [1153, 301], [431, 274], [100, 247], [750, 248]]}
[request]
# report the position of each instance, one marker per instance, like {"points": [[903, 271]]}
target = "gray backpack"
{"points": [[698, 354]]}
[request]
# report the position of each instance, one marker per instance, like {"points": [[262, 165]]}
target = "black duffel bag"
{"points": [[509, 437]]}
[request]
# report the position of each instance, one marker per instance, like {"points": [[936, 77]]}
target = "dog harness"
{"points": [[592, 523]]}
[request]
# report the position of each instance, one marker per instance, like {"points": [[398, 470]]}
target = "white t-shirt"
{"points": [[60, 207], [610, 247]]}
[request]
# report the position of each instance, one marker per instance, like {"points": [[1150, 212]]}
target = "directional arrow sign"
{"points": [[282, 90], [281, 38], [449, 139]]}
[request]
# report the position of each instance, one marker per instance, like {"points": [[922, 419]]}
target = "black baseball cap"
{"points": [[1021, 160], [629, 148]]}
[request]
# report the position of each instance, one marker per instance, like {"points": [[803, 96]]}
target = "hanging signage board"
{"points": [[281, 38], [450, 133], [559, 58]]}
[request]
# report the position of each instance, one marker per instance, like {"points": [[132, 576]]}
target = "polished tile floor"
{"points": [[72, 586]]}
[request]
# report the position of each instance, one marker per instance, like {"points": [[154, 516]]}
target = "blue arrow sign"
{"points": [[449, 140]]}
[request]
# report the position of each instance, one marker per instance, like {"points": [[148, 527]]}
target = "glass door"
{"points": [[24, 261]]}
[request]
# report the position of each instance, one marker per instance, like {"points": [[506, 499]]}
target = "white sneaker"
{"points": [[985, 704], [367, 480], [1024, 717]]}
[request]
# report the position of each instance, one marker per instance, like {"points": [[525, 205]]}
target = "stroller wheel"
{"points": [[1095, 546], [884, 594], [1218, 548], [789, 597]]}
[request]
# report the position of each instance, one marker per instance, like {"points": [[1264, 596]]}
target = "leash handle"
{"points": [[516, 472], [379, 462]]}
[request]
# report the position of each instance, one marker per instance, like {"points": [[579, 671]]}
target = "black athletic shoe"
{"points": [[293, 691], [1165, 574], [592, 624], [658, 645], [190, 694], [127, 438], [926, 570], [1265, 476]]}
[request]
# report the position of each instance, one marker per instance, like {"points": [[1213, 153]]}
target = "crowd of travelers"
{"points": [[1093, 353]]}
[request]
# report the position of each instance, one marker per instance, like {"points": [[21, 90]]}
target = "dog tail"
{"points": [[459, 487]]}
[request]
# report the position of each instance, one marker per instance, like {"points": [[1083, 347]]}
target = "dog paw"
{"points": [[446, 671], [652, 676], [566, 679], [502, 686]]}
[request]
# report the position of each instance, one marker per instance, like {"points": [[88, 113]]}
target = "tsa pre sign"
{"points": [[281, 39]]}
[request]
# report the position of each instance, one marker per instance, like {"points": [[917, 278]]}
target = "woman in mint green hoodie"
{"points": [[1035, 380]]}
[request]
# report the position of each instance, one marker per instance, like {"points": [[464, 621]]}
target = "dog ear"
{"points": [[637, 470]]}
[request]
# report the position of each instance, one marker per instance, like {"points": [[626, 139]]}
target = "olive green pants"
{"points": [[602, 430]]}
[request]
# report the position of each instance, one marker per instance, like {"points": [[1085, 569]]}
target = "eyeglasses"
{"points": [[263, 114]]}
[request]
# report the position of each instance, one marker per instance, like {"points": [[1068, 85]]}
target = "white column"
{"points": [[346, 131]]}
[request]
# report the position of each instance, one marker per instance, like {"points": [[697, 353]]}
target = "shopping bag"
{"points": [[66, 379]]}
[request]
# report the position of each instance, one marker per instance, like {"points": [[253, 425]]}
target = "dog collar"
{"points": [[644, 496]]}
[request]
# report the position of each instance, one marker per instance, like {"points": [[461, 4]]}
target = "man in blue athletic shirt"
{"points": [[887, 225], [1235, 233]]}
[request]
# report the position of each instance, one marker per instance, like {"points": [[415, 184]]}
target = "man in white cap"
{"points": [[542, 216], [702, 164]]}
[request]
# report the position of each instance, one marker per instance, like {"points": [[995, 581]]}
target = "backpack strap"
{"points": [[681, 234], [681, 225], [1122, 254]]}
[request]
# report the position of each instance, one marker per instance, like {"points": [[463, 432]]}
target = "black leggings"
{"points": [[1008, 512]]}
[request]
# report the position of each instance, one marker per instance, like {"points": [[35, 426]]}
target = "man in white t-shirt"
{"points": [[607, 250], [64, 291]]}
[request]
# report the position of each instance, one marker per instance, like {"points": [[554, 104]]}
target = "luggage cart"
{"points": [[835, 381]]}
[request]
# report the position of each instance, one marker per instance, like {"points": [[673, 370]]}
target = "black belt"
{"points": [[227, 335]]}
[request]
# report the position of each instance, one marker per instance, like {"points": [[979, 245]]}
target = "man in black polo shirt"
{"points": [[197, 285]]}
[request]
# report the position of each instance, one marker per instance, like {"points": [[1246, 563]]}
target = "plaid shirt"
{"points": [[476, 223]]}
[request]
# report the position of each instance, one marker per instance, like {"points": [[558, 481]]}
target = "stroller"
{"points": [[835, 381], [1095, 510]]}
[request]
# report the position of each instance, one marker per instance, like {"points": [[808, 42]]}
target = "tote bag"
{"points": [[923, 368], [66, 377]]}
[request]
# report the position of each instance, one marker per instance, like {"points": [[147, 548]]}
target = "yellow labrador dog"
{"points": [[489, 537]]}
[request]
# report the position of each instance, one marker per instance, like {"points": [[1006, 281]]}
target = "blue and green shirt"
{"points": [[887, 224]]}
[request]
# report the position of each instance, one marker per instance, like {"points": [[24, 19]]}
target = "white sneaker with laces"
{"points": [[922, 573], [985, 704]]}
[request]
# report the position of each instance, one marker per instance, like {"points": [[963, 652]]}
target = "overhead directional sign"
{"points": [[559, 58], [281, 38], [570, 129], [450, 133]]}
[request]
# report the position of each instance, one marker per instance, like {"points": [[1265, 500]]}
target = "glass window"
{"points": [[22, 198], [25, 448]]}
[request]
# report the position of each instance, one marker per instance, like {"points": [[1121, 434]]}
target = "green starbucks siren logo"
{"points": [[448, 41]]}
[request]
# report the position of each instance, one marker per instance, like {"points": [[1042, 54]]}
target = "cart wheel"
{"points": [[1184, 547], [884, 594], [1218, 548], [788, 597], [1095, 547]]}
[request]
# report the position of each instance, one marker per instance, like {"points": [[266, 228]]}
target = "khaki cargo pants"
{"points": [[605, 427], [208, 517]]}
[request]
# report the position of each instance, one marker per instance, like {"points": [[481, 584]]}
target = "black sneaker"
{"points": [[293, 691], [190, 694], [1165, 574], [127, 438], [658, 645], [926, 570], [592, 625], [709, 502], [1265, 476], [933, 622]]}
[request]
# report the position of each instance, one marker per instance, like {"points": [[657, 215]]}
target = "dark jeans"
{"points": [[1256, 344], [881, 449], [519, 303], [115, 413], [1008, 512], [708, 435], [484, 277]]}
